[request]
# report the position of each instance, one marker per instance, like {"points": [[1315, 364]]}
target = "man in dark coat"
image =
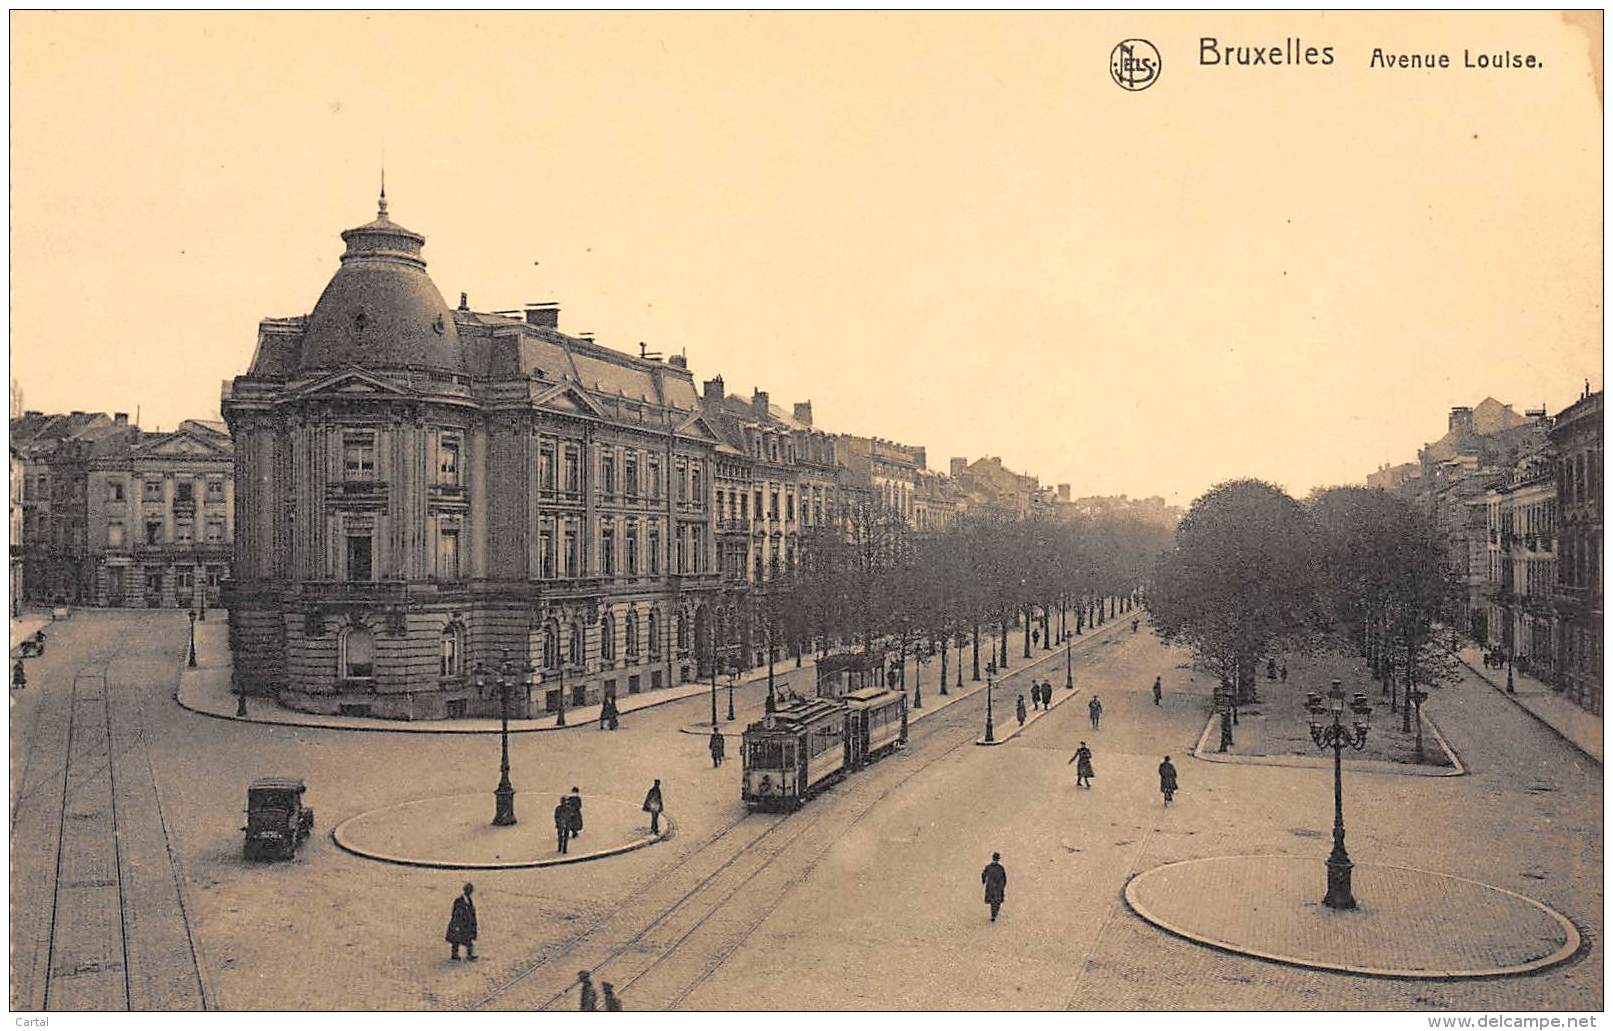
{"points": [[1158, 691], [1095, 711], [995, 878], [562, 825], [612, 1003], [717, 748], [462, 925], [607, 709], [1167, 779], [574, 800], [653, 805], [589, 1001], [1083, 766], [1019, 710]]}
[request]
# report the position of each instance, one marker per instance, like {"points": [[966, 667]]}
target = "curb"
{"points": [[1060, 696], [1574, 941], [526, 864], [1515, 700], [1377, 766]]}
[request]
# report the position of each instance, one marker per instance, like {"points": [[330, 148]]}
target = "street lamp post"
{"points": [[1069, 668], [990, 736], [560, 707], [918, 672], [504, 794], [191, 661], [1328, 730], [733, 675], [1510, 688]]}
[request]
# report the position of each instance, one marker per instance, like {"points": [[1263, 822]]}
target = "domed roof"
{"points": [[381, 310]]}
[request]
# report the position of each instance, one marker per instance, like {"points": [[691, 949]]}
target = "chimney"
{"points": [[713, 392], [120, 418], [959, 467], [803, 412], [543, 314], [1461, 420], [758, 401], [677, 360], [918, 456], [464, 301]]}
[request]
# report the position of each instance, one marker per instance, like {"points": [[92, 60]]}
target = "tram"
{"points": [[804, 747]]}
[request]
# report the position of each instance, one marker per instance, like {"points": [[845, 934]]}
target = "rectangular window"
{"points": [[697, 543], [697, 491], [546, 555], [448, 463], [184, 492], [632, 550], [758, 502], [154, 531], [683, 555], [772, 508], [546, 467], [607, 551], [655, 477], [151, 490], [215, 490], [358, 457], [655, 552], [448, 554], [789, 506], [744, 507], [571, 553], [571, 470], [358, 557], [114, 535], [114, 490], [683, 482], [607, 472], [184, 531], [630, 474], [215, 531]]}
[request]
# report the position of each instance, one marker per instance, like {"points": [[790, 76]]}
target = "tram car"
{"points": [[804, 747]]}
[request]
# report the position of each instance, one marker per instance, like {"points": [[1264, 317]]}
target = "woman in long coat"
{"points": [[1167, 779], [1083, 766], [462, 925]]}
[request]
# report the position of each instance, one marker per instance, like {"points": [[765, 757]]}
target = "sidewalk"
{"points": [[1579, 728], [206, 690]]}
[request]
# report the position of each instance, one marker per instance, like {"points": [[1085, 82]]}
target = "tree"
{"points": [[1241, 580]]}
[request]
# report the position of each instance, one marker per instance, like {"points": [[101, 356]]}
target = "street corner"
{"points": [[456, 832], [1408, 923]]}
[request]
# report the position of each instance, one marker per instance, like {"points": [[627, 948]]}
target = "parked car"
{"points": [[276, 820]]}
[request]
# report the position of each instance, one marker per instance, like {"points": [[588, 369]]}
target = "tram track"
{"points": [[765, 849]]}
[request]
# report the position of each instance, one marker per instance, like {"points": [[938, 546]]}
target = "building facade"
{"points": [[1576, 438], [1520, 564], [422, 492]]}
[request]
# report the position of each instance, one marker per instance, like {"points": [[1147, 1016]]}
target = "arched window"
{"points": [[551, 646], [357, 652], [631, 642], [574, 649], [607, 638], [655, 633], [452, 650]]}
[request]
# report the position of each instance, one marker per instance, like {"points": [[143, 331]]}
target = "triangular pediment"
{"points": [[569, 399], [182, 445], [697, 428], [351, 383]]}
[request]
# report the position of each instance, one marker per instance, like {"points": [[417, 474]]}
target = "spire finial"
{"points": [[383, 188]]}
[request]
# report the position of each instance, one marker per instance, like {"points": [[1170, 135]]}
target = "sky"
{"points": [[949, 230]]}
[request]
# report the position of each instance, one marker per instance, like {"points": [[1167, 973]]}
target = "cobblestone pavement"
{"points": [[1406, 922]]}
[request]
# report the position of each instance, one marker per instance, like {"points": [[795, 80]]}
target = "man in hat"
{"points": [[653, 805], [1095, 711], [995, 878], [589, 1002], [462, 925]]}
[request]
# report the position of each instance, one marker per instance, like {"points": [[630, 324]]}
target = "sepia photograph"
{"points": [[807, 512]]}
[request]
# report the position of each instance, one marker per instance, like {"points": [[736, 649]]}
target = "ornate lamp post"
{"points": [[191, 661], [504, 794], [1069, 669], [733, 675], [990, 735], [1328, 730]]}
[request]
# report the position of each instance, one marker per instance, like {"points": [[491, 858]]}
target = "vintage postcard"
{"points": [[807, 511]]}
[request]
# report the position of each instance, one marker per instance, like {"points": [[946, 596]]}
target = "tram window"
{"points": [[766, 755]]}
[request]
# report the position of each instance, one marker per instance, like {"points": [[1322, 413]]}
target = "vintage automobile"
{"points": [[276, 820]]}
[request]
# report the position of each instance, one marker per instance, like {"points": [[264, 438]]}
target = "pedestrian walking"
{"points": [[1283, 671], [574, 800], [1095, 711], [653, 805], [717, 748], [462, 925], [1047, 694], [607, 713], [1019, 710], [1083, 766], [995, 878], [1134, 626], [562, 825], [1158, 691], [19, 677], [1167, 780], [612, 1003], [589, 1002]]}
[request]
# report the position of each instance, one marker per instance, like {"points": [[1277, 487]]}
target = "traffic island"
{"points": [[456, 832], [1408, 923]]}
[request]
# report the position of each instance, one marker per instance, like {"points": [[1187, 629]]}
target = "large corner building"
{"points": [[421, 488]]}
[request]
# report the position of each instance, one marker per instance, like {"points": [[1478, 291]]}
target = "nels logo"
{"points": [[1134, 64]]}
